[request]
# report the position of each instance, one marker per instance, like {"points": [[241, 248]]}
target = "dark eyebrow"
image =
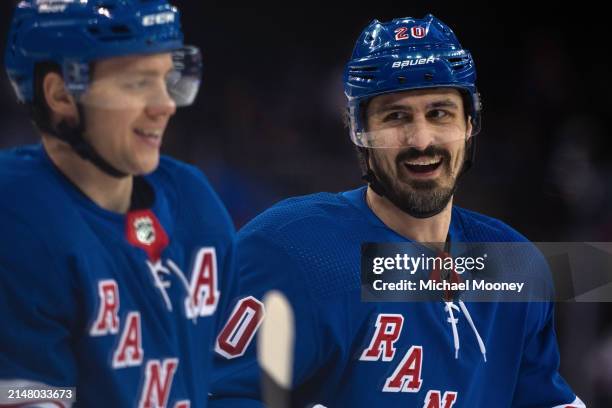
{"points": [[446, 103], [392, 107], [147, 72]]}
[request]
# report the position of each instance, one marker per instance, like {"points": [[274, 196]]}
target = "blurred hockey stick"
{"points": [[275, 348]]}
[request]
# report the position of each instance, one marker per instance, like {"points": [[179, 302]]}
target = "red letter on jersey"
{"points": [[182, 404], [203, 292], [432, 399], [240, 328], [157, 384], [407, 375], [107, 321], [129, 351], [388, 330]]}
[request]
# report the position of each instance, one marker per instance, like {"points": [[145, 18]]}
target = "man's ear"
{"points": [[469, 126], [61, 103]]}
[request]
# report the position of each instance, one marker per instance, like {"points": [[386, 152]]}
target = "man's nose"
{"points": [[161, 104], [418, 134]]}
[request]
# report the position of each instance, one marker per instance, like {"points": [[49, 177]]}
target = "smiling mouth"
{"points": [[153, 137], [423, 166]]}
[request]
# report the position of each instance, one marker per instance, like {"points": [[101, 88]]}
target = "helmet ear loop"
{"points": [[470, 153], [74, 136], [474, 119], [368, 174]]}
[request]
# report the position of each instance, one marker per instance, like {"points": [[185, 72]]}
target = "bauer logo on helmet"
{"points": [[159, 18], [413, 61]]}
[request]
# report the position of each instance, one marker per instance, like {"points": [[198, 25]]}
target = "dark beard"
{"points": [[420, 199]]}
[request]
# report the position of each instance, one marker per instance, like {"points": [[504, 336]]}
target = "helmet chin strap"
{"points": [[73, 135], [370, 177]]}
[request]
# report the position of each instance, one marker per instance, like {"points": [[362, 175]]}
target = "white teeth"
{"points": [[424, 161], [150, 133]]}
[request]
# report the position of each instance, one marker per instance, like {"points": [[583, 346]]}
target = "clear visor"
{"points": [[408, 135], [144, 84]]}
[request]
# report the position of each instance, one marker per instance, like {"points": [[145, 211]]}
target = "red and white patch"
{"points": [[129, 352], [182, 404], [577, 403], [401, 33], [203, 295], [143, 230], [388, 330], [407, 375], [107, 320], [432, 399], [158, 382], [247, 316], [418, 32]]}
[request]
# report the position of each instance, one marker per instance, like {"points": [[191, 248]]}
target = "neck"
{"points": [[433, 229], [111, 193]]}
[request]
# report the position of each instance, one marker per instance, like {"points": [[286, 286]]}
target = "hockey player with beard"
{"points": [[414, 112]]}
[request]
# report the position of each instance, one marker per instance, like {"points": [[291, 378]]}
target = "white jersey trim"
{"points": [[577, 403]]}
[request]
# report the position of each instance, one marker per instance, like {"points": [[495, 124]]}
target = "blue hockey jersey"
{"points": [[122, 307], [350, 353]]}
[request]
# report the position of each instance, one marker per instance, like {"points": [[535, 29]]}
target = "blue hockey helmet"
{"points": [[405, 54], [74, 33]]}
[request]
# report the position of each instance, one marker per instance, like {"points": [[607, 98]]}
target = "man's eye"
{"points": [[137, 84], [438, 114], [395, 116]]}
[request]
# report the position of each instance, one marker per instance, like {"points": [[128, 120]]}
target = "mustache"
{"points": [[430, 151]]}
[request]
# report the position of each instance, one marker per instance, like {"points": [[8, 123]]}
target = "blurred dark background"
{"points": [[268, 124]]}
